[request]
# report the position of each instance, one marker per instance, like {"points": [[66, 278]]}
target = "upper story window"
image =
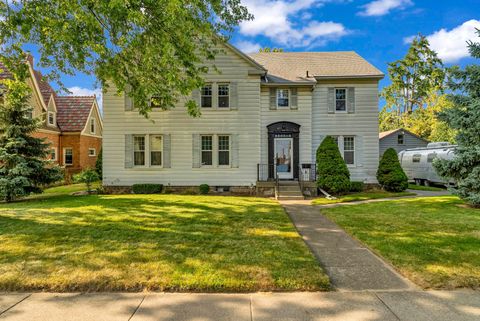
{"points": [[223, 95], [68, 156], [156, 150], [224, 150], [340, 99], [51, 118], [401, 139], [283, 98], [92, 125], [139, 150], [206, 96]]}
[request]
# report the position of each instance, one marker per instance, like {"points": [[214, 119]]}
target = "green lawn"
{"points": [[434, 241], [425, 188], [154, 242], [361, 196]]}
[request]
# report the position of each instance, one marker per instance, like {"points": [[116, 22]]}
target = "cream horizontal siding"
{"points": [[301, 116], [245, 122], [364, 123]]}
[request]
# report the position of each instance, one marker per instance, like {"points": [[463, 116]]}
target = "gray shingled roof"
{"points": [[293, 66]]}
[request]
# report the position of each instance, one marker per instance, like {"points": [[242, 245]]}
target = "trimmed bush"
{"points": [[204, 189], [357, 186], [88, 177], [332, 172], [390, 173], [147, 188]]}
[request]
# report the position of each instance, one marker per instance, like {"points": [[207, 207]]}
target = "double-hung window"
{"points": [[51, 118], [156, 149], [223, 96], [68, 156], [283, 98], [340, 99], [139, 150], [349, 150], [207, 150], [223, 150], [206, 96]]}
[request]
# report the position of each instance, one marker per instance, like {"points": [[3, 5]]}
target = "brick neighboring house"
{"points": [[71, 124]]}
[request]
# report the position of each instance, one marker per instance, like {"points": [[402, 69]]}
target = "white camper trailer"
{"points": [[417, 162]]}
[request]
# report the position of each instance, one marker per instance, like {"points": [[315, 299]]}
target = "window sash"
{"points": [[223, 95], [68, 159], [206, 96], [223, 150], [207, 150], [139, 150], [349, 150], [283, 98], [51, 118], [156, 150], [340, 99]]}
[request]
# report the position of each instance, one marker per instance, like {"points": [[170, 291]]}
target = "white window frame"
{"points": [[54, 118], [335, 100], [55, 149], [212, 150], [145, 144], [94, 152], [65, 156], [288, 98], [350, 150], [224, 150], [93, 125], [211, 96], [150, 150], [218, 95]]}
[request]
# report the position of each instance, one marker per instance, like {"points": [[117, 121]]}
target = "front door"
{"points": [[283, 153]]}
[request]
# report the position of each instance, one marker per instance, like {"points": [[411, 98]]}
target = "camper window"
{"points": [[431, 157], [416, 158]]}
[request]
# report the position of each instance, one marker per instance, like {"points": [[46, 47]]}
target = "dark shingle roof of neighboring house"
{"points": [[73, 112], [45, 89], [293, 66], [393, 131]]}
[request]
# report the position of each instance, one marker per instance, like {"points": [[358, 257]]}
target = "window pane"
{"points": [[207, 158], [282, 97], [340, 105], [400, 139], [223, 142], [206, 142], [348, 143], [69, 156], [206, 102], [156, 158], [156, 143], [416, 158], [139, 143], [349, 157], [223, 150], [340, 94], [223, 158], [139, 158], [223, 95]]}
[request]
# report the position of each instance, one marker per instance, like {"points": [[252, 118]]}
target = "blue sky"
{"points": [[376, 29]]}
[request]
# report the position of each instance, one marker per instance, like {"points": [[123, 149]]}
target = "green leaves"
{"points": [[153, 47], [332, 172], [390, 174]]}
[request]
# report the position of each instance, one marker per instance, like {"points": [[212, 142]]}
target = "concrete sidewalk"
{"points": [[332, 306], [348, 263]]}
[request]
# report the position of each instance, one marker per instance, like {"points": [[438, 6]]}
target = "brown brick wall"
{"points": [[53, 139], [71, 141], [87, 142]]}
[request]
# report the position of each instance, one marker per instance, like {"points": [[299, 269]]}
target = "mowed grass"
{"points": [[425, 188], [360, 196], [434, 241], [153, 242]]}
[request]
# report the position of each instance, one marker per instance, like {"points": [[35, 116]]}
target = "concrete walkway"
{"points": [[348, 263], [332, 306]]}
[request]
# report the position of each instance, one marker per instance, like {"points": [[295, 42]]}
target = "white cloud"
{"points": [[383, 7], [248, 46], [451, 45], [80, 91], [276, 19]]}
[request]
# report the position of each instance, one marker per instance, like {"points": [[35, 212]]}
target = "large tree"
{"points": [[148, 47], [24, 167], [464, 117], [413, 78]]}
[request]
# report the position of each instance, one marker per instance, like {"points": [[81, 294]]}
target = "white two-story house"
{"points": [[263, 118]]}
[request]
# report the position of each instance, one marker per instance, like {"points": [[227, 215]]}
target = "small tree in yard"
{"points": [[24, 167], [390, 173], [465, 118], [332, 172], [99, 164], [87, 176]]}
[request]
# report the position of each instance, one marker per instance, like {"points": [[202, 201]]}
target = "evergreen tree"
{"points": [[464, 117], [24, 167], [332, 172], [390, 173], [99, 164]]}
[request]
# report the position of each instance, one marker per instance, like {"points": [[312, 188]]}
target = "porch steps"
{"points": [[289, 190]]}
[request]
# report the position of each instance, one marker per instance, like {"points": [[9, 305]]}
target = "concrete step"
{"points": [[289, 188], [290, 193], [286, 183], [290, 198]]}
